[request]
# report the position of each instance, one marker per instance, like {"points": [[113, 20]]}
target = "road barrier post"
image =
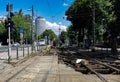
{"points": [[23, 51], [28, 51], [17, 53], [32, 48], [37, 47]]}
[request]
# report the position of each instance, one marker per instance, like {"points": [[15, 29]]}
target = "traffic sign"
{"points": [[21, 30]]}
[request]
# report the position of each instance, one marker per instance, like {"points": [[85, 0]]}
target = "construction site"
{"points": [[64, 65]]}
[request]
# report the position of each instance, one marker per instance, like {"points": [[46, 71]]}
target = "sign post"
{"points": [[21, 35]]}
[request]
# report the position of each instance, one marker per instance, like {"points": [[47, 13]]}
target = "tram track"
{"points": [[95, 65]]}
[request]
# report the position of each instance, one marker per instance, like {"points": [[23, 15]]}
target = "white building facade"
{"points": [[2, 19], [40, 24]]}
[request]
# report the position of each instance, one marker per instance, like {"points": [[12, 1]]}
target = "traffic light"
{"points": [[9, 23], [6, 23], [12, 26], [11, 14], [9, 7]]}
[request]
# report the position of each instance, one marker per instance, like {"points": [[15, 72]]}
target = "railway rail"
{"points": [[96, 64]]}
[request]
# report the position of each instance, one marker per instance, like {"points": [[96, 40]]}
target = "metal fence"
{"points": [[18, 52]]}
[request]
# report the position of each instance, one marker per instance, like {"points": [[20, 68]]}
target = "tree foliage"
{"points": [[2, 27], [72, 35], [114, 28], [20, 21], [117, 14], [3, 33], [24, 22], [63, 36], [49, 34], [80, 13]]}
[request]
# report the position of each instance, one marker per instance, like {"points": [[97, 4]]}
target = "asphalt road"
{"points": [[4, 51]]}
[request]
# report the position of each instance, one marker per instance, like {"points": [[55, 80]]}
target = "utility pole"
{"points": [[9, 9], [32, 28], [93, 44]]}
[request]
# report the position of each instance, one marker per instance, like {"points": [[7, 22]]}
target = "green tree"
{"points": [[22, 21], [80, 13], [115, 27], [3, 33], [2, 27], [63, 36], [27, 32], [49, 34], [72, 35]]}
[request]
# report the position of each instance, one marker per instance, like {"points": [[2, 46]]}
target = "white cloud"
{"points": [[64, 4], [55, 27]]}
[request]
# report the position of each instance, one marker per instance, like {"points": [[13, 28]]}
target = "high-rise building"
{"points": [[40, 24]]}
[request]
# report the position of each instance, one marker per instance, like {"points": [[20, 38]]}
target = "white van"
{"points": [[41, 42]]}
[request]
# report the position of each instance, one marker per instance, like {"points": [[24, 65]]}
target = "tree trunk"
{"points": [[114, 46], [80, 36]]}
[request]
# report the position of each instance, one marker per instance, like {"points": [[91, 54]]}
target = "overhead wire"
{"points": [[62, 1], [50, 8]]}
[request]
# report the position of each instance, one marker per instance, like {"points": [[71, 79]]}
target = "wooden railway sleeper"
{"points": [[111, 67]]}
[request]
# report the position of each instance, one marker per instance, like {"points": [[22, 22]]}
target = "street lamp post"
{"points": [[32, 27]]}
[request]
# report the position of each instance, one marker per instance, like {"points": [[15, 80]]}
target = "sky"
{"points": [[52, 10]]}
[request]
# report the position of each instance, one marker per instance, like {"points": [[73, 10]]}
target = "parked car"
{"points": [[41, 42], [15, 44]]}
